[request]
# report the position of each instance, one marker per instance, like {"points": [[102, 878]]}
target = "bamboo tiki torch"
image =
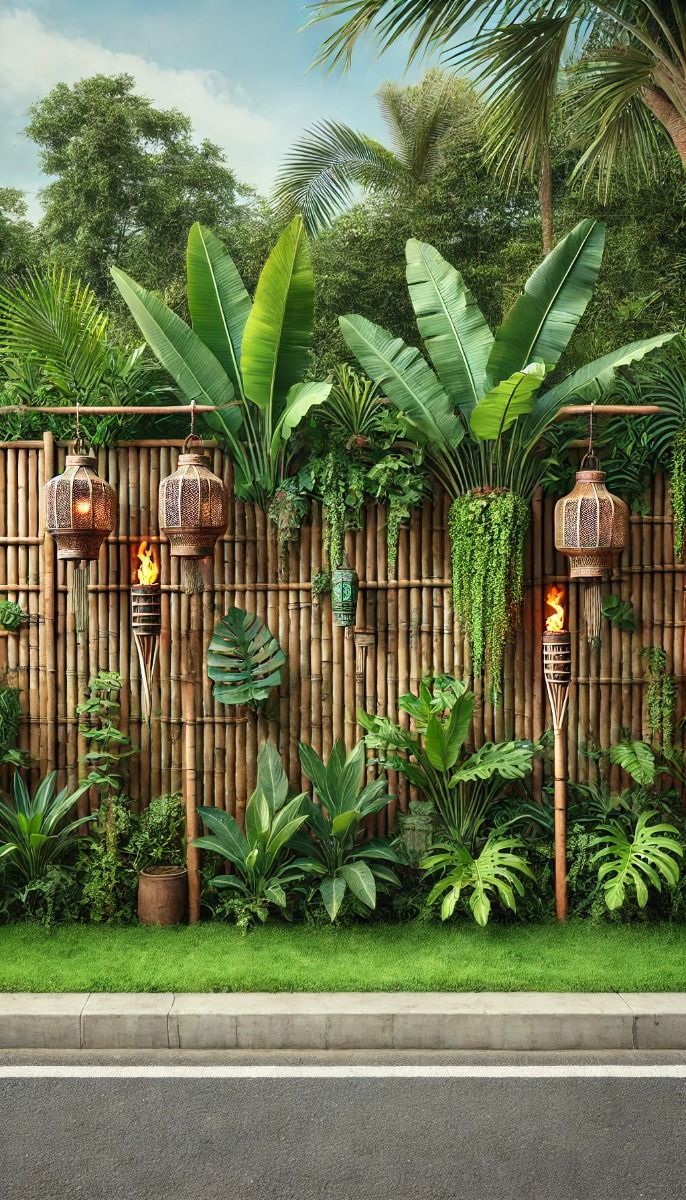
{"points": [[557, 669]]}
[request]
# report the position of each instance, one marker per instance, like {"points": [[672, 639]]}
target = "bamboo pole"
{"points": [[192, 613]]}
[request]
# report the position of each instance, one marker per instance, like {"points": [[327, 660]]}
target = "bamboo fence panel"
{"points": [[404, 629]]}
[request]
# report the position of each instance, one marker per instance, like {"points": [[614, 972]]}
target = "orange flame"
{"points": [[555, 601], [148, 572]]}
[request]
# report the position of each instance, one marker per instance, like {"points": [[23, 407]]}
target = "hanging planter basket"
{"points": [[591, 527]]}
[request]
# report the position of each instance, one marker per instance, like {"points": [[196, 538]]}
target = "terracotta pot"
{"points": [[162, 895]]}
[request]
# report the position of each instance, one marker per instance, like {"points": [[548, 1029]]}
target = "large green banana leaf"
{"points": [[543, 319], [180, 351], [218, 302], [279, 329], [406, 379], [451, 323], [588, 383], [505, 402], [301, 398]]}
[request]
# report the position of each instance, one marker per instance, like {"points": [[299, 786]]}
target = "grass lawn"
{"points": [[214, 957]]}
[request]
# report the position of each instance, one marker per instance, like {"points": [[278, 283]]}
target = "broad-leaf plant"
{"points": [[334, 850], [246, 358], [481, 411]]}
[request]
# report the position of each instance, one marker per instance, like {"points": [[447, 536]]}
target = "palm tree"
{"points": [[626, 89], [322, 170]]}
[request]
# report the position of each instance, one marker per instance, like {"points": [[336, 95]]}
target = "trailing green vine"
{"points": [[677, 481], [487, 532], [660, 697]]}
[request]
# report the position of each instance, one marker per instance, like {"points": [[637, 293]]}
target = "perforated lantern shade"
{"points": [[590, 526], [192, 507], [79, 509]]}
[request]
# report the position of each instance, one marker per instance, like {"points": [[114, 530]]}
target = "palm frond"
{"points": [[420, 117], [607, 114], [319, 173]]}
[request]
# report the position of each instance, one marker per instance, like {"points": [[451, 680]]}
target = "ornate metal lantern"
{"points": [[193, 508], [591, 529], [345, 586], [79, 508]]}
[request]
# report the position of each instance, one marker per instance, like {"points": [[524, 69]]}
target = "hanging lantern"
{"points": [[591, 529], [193, 510], [79, 508], [80, 515], [345, 586]]}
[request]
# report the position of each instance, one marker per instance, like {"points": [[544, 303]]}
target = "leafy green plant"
{"points": [[635, 861], [481, 416], [401, 484], [637, 759], [10, 718], [462, 785], [99, 727], [12, 616], [34, 831], [354, 408], [678, 490], [245, 358], [108, 882], [158, 835], [496, 869], [620, 613], [244, 659], [260, 855], [334, 849]]}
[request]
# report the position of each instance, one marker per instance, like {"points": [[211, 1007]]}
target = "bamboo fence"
{"points": [[404, 630]]}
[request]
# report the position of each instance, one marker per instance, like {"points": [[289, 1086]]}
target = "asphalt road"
{"points": [[382, 1138]]}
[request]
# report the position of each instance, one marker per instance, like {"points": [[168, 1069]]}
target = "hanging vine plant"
{"points": [[487, 532], [480, 414], [677, 482]]}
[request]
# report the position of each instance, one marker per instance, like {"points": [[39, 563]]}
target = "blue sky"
{"points": [[239, 68]]}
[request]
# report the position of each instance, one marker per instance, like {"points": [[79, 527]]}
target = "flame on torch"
{"points": [[148, 572], [555, 602]]}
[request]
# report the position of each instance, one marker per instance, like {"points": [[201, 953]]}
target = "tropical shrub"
{"points": [[481, 416], [34, 831], [10, 717], [159, 833], [634, 861], [334, 849], [247, 359], [495, 869], [244, 659], [12, 615], [264, 869], [462, 785]]}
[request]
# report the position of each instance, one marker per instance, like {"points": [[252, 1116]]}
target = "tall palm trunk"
{"points": [[669, 117], [545, 198]]}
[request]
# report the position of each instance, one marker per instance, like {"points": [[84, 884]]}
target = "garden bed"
{"points": [[577, 957]]}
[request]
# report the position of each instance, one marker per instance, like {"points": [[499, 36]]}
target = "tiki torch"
{"points": [[557, 670], [146, 615]]}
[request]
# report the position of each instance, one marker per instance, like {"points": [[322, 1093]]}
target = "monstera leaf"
{"points": [[244, 659]]}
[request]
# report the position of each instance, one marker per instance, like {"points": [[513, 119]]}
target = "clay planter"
{"points": [[162, 893]]}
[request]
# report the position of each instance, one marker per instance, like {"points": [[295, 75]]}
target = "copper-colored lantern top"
{"points": [[79, 508], [192, 506], [590, 524]]}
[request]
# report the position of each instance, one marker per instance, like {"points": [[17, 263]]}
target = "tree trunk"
{"points": [[662, 108], [545, 197]]}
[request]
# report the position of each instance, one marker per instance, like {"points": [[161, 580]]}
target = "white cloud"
{"points": [[33, 58]]}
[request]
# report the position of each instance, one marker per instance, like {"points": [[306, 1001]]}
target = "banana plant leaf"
{"points": [[217, 300], [407, 380], [451, 323], [507, 401], [244, 660], [279, 329], [543, 319]]}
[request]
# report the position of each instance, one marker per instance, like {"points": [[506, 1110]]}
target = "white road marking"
{"points": [[532, 1071]]}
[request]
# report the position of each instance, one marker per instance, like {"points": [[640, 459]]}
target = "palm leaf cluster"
{"points": [[622, 66]]}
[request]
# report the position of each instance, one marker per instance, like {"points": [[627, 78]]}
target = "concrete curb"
{"points": [[344, 1021]]}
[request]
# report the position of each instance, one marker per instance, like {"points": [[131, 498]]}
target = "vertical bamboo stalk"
{"points": [[49, 583], [193, 650]]}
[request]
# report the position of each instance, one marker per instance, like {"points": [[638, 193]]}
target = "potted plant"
{"points": [[157, 850]]}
